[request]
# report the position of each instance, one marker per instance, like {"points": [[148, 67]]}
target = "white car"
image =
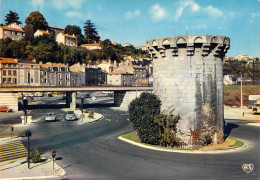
{"points": [[50, 117], [70, 116]]}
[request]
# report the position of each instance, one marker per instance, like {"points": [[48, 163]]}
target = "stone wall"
{"points": [[9, 100], [188, 78]]}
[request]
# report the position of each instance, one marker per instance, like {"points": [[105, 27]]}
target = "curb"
{"points": [[182, 151]]}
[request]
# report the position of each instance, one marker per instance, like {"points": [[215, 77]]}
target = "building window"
{"points": [[14, 65], [9, 80], [4, 80], [14, 80], [32, 80], [32, 73], [22, 73], [4, 72], [9, 72], [21, 80], [9, 65], [14, 72]]}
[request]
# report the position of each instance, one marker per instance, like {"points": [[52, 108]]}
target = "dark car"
{"points": [[87, 96]]}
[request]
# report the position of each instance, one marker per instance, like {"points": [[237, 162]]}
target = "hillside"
{"points": [[232, 95]]}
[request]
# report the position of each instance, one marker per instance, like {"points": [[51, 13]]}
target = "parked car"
{"points": [[70, 116], [87, 96], [50, 117], [5, 109]]}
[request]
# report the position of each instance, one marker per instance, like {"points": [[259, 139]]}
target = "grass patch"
{"points": [[237, 143]]}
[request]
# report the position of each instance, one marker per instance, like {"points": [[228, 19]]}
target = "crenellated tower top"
{"points": [[217, 45]]}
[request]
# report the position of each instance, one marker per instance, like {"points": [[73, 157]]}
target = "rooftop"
{"points": [[12, 29]]}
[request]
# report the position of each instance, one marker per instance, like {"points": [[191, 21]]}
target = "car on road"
{"points": [[87, 96], [50, 117], [70, 116], [5, 109]]}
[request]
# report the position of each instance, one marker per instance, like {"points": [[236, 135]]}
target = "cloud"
{"points": [[254, 16], [64, 4], [157, 12], [74, 14], [194, 8], [37, 3], [213, 11], [131, 15]]}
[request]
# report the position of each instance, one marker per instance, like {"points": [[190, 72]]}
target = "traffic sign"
{"points": [[28, 133], [53, 153]]}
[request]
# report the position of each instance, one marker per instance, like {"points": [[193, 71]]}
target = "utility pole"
{"points": [[241, 94]]}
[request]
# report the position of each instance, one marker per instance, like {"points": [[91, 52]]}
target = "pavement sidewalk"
{"points": [[241, 114], [18, 169]]}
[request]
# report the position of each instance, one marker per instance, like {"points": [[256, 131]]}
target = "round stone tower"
{"points": [[188, 78]]}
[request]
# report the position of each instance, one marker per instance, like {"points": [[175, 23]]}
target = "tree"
{"points": [[29, 32], [91, 34], [12, 17], [73, 30], [142, 112], [76, 31], [37, 20]]}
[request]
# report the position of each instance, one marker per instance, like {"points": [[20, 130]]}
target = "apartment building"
{"points": [[91, 46], [120, 78], [13, 31], [55, 30], [66, 39], [8, 72], [28, 73], [44, 74], [41, 33], [59, 74]]}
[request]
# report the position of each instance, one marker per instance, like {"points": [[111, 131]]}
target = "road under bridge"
{"points": [[123, 95]]}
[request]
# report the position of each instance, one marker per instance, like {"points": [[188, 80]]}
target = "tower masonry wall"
{"points": [[188, 79]]}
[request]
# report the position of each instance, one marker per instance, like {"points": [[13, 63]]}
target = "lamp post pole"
{"points": [[241, 95]]}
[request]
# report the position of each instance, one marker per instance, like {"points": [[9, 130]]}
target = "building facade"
{"points": [[120, 78], [66, 39], [28, 73], [8, 72], [12, 31]]}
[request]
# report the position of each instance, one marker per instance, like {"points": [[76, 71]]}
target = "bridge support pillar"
{"points": [[118, 97], [71, 100]]}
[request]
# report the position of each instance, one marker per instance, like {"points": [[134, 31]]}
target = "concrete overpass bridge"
{"points": [[123, 95]]}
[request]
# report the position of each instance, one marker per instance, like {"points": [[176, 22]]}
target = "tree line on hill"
{"points": [[248, 69], [45, 48]]}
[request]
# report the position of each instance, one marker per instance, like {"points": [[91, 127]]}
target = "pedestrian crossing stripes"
{"points": [[12, 150]]}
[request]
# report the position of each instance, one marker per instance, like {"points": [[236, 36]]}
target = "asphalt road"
{"points": [[92, 151]]}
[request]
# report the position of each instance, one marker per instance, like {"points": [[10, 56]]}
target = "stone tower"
{"points": [[188, 79]]}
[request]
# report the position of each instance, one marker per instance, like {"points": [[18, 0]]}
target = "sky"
{"points": [[135, 21]]}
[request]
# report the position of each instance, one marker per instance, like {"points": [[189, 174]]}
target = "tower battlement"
{"points": [[218, 45]]}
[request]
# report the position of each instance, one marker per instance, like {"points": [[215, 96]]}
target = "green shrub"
{"points": [[167, 129], [35, 156], [207, 139], [91, 114], [142, 112]]}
